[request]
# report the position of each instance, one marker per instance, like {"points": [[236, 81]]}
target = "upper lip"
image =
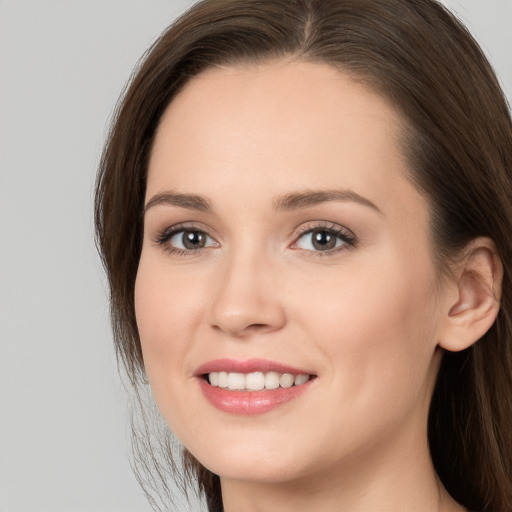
{"points": [[247, 366]]}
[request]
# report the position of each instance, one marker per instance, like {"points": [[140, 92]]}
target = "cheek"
{"points": [[165, 318], [364, 296], [377, 330], [377, 325]]}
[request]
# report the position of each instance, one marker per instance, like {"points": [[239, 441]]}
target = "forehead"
{"points": [[283, 124]]}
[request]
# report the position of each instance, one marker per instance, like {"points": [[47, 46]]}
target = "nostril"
{"points": [[257, 326]]}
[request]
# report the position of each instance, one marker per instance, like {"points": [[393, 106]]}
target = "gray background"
{"points": [[63, 424]]}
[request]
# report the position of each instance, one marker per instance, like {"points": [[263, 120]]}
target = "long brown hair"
{"points": [[459, 146]]}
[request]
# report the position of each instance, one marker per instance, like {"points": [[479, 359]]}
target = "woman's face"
{"points": [[283, 238]]}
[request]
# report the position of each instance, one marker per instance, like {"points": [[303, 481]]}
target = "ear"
{"points": [[473, 302]]}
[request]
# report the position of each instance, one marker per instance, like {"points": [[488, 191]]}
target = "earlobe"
{"points": [[478, 290]]}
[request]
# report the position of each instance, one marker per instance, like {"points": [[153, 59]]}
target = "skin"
{"points": [[367, 319]]}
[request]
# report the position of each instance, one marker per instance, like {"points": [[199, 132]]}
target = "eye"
{"points": [[182, 240], [324, 239], [190, 239]]}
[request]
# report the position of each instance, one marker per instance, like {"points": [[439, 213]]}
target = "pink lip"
{"points": [[247, 366], [248, 402]]}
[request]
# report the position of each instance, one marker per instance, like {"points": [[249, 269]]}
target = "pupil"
{"points": [[193, 239], [323, 240]]}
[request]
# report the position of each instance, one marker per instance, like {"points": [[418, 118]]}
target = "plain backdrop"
{"points": [[63, 421]]}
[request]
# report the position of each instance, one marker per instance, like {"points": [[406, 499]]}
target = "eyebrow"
{"points": [[288, 202], [188, 201], [311, 198]]}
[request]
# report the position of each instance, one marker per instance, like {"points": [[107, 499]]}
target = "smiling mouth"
{"points": [[255, 381]]}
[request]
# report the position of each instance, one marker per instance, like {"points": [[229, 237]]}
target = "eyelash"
{"points": [[345, 235], [162, 238]]}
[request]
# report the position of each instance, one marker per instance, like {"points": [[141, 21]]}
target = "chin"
{"points": [[270, 462], [256, 472]]}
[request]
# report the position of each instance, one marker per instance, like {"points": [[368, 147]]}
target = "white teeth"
{"points": [[272, 380], [255, 381], [301, 379], [222, 380], [287, 380], [214, 378], [236, 381]]}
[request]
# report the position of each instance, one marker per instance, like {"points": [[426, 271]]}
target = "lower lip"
{"points": [[248, 403]]}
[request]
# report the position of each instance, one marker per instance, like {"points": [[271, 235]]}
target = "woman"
{"points": [[304, 209]]}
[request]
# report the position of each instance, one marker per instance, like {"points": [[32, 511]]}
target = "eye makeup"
{"points": [[325, 238], [317, 238]]}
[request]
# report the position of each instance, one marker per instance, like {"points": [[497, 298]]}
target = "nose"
{"points": [[247, 299]]}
